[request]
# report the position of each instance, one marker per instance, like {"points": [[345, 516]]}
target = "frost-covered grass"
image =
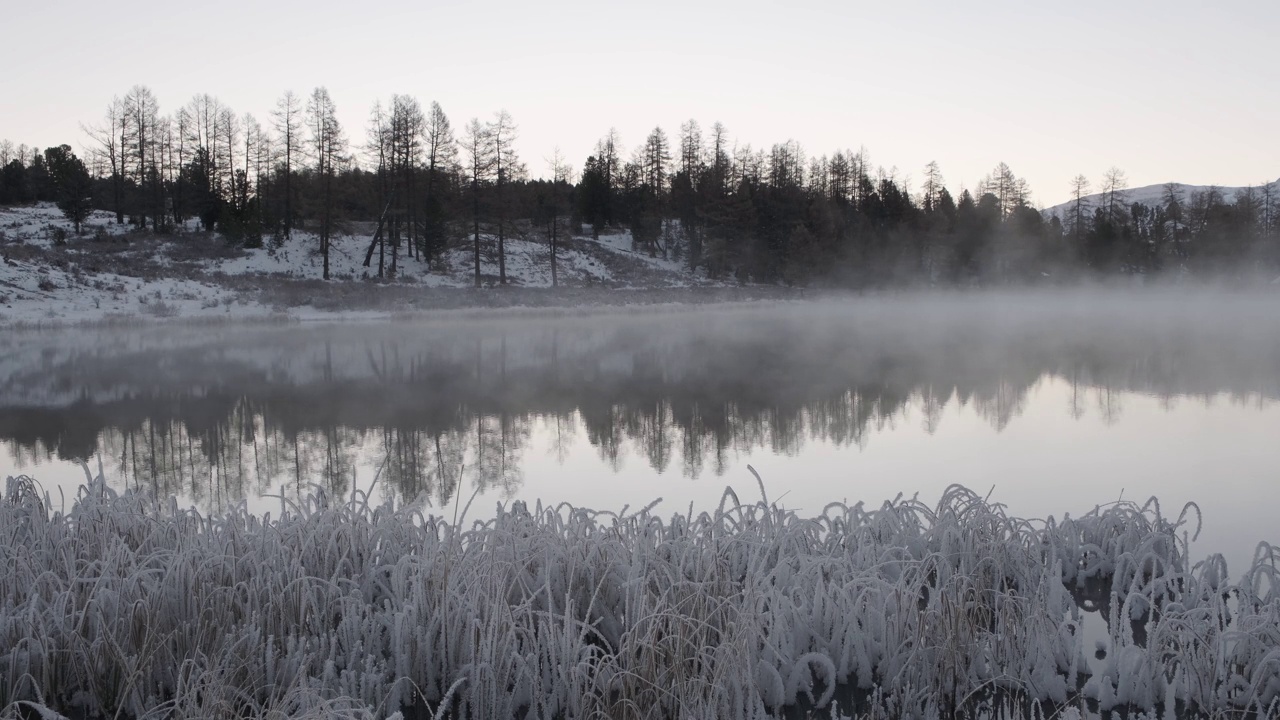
{"points": [[127, 606]]}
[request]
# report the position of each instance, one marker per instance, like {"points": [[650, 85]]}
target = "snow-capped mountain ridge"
{"points": [[1152, 195]]}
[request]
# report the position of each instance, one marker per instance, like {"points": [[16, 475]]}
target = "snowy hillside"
{"points": [[49, 275], [1153, 195]]}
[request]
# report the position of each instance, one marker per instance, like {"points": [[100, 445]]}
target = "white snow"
{"points": [[38, 293], [528, 262], [622, 243], [50, 276], [1151, 196]]}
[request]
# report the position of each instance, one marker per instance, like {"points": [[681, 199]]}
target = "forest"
{"points": [[731, 211]]}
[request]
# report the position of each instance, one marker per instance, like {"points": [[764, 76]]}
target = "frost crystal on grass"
{"points": [[127, 605]]}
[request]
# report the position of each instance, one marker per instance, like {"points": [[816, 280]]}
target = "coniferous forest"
{"points": [[770, 215]]}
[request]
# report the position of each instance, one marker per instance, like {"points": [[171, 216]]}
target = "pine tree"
{"points": [[593, 195], [442, 151], [71, 183]]}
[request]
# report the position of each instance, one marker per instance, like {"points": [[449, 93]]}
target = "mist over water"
{"points": [[1053, 401]]}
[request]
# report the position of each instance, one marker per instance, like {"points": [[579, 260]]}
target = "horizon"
{"points": [[837, 77]]}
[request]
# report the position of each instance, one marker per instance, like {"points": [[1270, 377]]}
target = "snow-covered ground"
{"points": [[49, 275], [528, 263]]}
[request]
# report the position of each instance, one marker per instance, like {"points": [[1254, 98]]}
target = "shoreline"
{"points": [[355, 301]]}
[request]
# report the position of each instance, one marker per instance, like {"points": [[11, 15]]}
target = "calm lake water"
{"points": [[1052, 402]]}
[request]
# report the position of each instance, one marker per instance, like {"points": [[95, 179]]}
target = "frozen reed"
{"points": [[128, 606]]}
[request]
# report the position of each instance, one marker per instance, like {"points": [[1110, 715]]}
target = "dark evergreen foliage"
{"points": [[70, 184]]}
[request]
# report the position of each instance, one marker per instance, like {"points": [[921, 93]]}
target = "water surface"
{"points": [[1052, 402]]}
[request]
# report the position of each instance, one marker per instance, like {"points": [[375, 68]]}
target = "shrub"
{"points": [[161, 309]]}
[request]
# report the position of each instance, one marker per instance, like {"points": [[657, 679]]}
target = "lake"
{"points": [[1050, 402]]}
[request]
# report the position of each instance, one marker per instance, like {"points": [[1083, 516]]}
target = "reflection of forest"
{"points": [[461, 404]]}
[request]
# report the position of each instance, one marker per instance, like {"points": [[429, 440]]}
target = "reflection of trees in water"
{"points": [[1001, 405], [652, 427], [563, 429], [258, 446], [251, 452], [845, 419], [1109, 405], [932, 403], [167, 455], [336, 447], [218, 462], [484, 451], [419, 462], [499, 442], [159, 456], [248, 454], [697, 442], [444, 474], [461, 411], [605, 432], [1075, 401], [408, 459], [27, 454]]}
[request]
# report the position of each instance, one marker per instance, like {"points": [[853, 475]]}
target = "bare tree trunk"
{"points": [[502, 249], [475, 219], [118, 179], [326, 229], [382, 255], [395, 247]]}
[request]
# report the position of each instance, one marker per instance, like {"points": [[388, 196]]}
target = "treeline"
{"points": [[722, 208], [56, 175]]}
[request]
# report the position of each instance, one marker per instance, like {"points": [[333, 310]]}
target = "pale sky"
{"points": [[1170, 90]]}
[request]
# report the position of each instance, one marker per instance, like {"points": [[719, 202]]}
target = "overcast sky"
{"points": [[1171, 90]]}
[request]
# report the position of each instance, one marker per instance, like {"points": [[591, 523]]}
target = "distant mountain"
{"points": [[1152, 195]]}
